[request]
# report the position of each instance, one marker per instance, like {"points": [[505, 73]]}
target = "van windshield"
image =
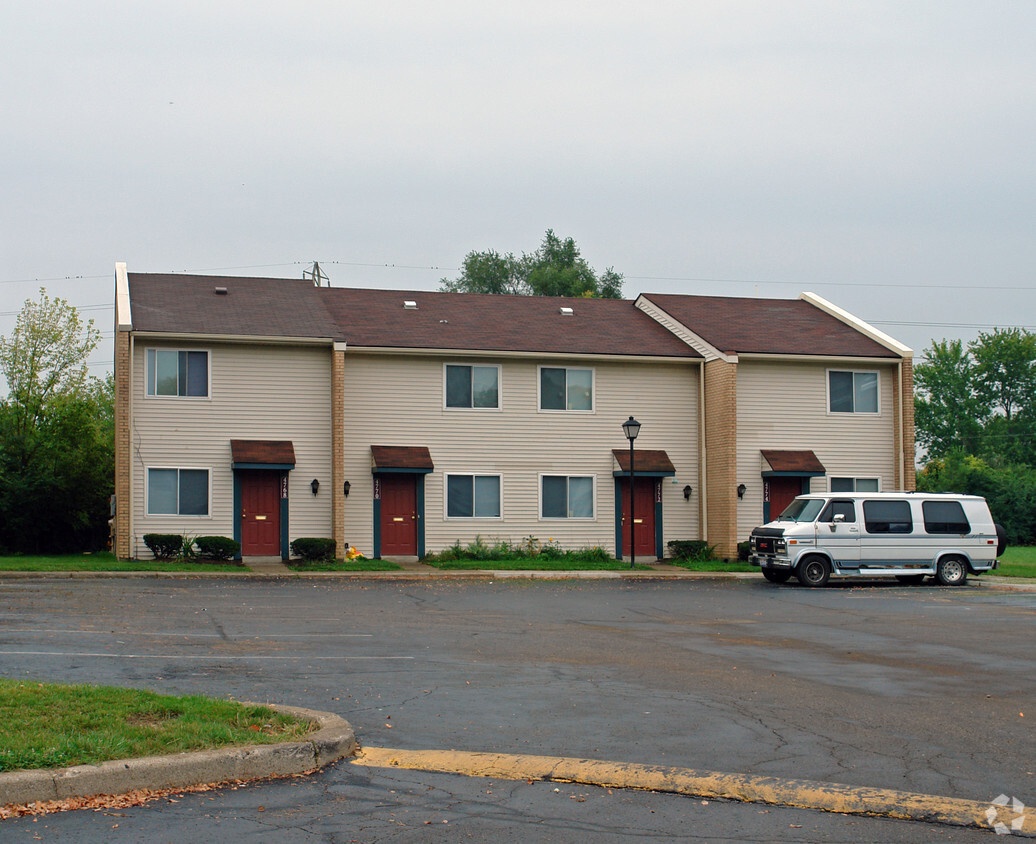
{"points": [[801, 510]]}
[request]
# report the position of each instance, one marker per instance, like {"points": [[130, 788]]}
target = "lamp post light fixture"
{"points": [[346, 487], [314, 485], [631, 427], [741, 490]]}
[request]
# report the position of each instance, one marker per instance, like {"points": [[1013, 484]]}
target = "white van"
{"points": [[910, 535]]}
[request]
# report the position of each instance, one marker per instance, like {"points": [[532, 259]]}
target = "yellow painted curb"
{"points": [[803, 794]]}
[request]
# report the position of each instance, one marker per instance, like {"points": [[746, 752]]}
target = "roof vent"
{"points": [[410, 304], [565, 311], [221, 291]]}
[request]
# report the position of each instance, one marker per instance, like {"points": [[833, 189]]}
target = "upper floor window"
{"points": [[178, 492], [564, 497], [566, 389], [852, 392], [472, 386], [173, 372], [473, 496]]}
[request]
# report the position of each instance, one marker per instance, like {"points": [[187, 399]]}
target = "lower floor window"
{"points": [[473, 496], [565, 497], [178, 492], [854, 485]]}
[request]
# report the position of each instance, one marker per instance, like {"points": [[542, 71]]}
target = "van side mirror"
{"points": [[839, 517]]}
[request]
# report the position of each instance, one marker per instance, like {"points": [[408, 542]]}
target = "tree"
{"points": [[56, 425], [555, 269], [979, 400], [948, 413]]}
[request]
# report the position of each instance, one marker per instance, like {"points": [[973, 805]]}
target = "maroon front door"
{"points": [[781, 492], [398, 514], [643, 516], [260, 513]]}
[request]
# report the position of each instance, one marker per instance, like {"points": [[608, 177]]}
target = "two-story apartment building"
{"points": [[401, 422]]}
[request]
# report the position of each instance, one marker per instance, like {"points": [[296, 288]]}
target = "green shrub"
{"points": [[313, 549], [164, 546], [690, 549], [217, 547], [744, 551]]}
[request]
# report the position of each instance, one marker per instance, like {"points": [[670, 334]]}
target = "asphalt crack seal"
{"points": [[800, 794]]}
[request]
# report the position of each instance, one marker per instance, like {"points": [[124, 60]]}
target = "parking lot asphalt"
{"points": [[877, 686]]}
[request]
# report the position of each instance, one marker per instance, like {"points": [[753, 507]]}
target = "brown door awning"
{"points": [[401, 458], [646, 462], [261, 454], [803, 462]]}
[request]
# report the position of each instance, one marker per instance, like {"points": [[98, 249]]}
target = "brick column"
{"points": [[721, 455], [907, 447], [123, 487], [338, 449]]}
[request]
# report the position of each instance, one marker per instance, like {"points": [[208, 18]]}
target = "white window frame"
{"points": [[854, 412], [150, 378], [539, 389], [446, 496], [499, 388], [177, 469], [539, 498], [855, 479]]}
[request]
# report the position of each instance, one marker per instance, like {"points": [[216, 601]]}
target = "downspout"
{"points": [[703, 498], [900, 426]]}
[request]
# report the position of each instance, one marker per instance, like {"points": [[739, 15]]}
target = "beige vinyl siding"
{"points": [[784, 405], [275, 392], [397, 400]]}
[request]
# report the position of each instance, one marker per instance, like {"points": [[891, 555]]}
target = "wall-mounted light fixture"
{"points": [[314, 485], [741, 490], [687, 492], [346, 487]]}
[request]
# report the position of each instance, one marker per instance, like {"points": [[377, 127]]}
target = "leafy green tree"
{"points": [[555, 269], [56, 425], [948, 412], [979, 399]]}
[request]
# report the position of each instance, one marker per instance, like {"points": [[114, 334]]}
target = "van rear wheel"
{"points": [[776, 575], [952, 571], [813, 571]]}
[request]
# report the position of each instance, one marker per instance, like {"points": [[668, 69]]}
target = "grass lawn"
{"points": [[345, 565], [1019, 561], [55, 726], [104, 561]]}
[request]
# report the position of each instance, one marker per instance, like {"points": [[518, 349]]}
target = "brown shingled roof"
{"points": [[767, 326], [189, 304], [377, 318]]}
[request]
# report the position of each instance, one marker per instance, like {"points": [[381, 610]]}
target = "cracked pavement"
{"points": [[909, 688]]}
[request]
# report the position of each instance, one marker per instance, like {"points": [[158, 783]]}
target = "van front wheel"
{"points": [[952, 571], [813, 571]]}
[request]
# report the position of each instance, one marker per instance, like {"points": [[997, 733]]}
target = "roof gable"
{"points": [[767, 326]]}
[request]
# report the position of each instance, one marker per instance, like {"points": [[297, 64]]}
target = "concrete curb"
{"points": [[803, 794], [333, 740]]}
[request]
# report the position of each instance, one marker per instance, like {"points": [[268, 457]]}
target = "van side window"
{"points": [[944, 517], [845, 509], [887, 516]]}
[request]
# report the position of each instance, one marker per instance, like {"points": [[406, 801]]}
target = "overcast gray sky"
{"points": [[880, 154]]}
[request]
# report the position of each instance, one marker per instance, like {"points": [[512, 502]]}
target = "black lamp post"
{"points": [[631, 427]]}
